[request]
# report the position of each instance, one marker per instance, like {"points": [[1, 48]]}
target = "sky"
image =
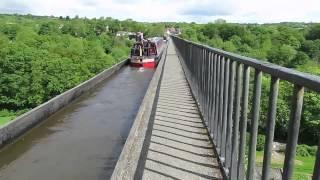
{"points": [[200, 11]]}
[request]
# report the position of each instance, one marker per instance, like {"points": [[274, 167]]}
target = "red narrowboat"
{"points": [[147, 53]]}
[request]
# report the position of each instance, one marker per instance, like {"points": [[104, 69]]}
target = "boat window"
{"points": [[145, 51], [136, 51], [153, 50]]}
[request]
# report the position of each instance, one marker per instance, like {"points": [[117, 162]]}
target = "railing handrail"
{"points": [[310, 81]]}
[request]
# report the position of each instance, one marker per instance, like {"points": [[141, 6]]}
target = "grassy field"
{"points": [[4, 120], [303, 165]]}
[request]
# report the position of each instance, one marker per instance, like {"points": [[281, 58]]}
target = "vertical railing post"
{"points": [[201, 80], [201, 67], [230, 115], [274, 88], [195, 67], [316, 169], [221, 106], [235, 130], [203, 72], [254, 125], [204, 84], [217, 102], [189, 63], [211, 84], [207, 96], [214, 91], [194, 70], [293, 132], [198, 72], [225, 109], [243, 122]]}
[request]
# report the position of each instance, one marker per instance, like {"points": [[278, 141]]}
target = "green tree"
{"points": [[10, 30], [300, 59], [312, 48], [314, 32], [282, 55], [50, 28]]}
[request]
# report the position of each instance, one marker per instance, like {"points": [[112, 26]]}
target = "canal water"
{"points": [[84, 139]]}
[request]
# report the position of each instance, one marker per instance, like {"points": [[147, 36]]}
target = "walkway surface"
{"points": [[179, 146]]}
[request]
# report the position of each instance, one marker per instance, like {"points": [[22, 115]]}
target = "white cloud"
{"points": [[13, 6], [177, 10]]}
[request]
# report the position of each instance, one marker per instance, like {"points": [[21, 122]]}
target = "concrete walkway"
{"points": [[179, 147]]}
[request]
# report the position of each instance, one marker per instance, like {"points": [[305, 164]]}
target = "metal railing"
{"points": [[220, 83]]}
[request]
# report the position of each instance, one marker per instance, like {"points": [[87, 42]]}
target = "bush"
{"points": [[260, 142], [119, 53], [5, 113], [305, 150], [302, 150], [312, 150]]}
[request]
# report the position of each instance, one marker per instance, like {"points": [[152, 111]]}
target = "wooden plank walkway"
{"points": [[179, 146]]}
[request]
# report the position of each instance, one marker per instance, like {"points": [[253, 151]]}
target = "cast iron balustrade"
{"points": [[220, 83]]}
